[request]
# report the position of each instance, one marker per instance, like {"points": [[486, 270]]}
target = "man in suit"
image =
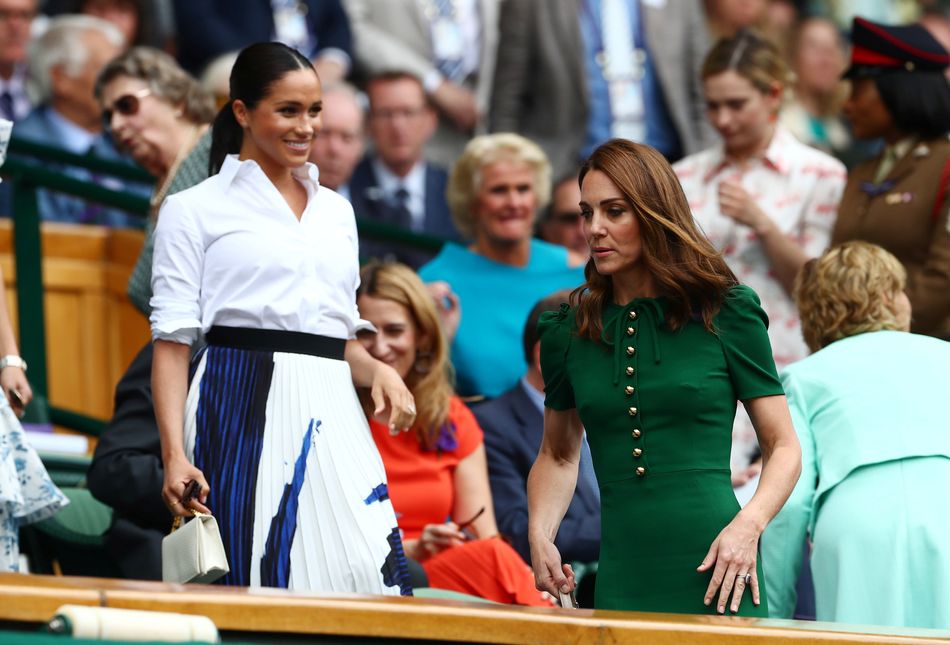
{"points": [[341, 140], [514, 425], [319, 29], [64, 63], [394, 183], [16, 18], [127, 474], [558, 84], [449, 44]]}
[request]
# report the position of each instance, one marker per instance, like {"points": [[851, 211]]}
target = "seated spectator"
{"points": [[561, 220], [64, 63], [16, 18], [318, 29], [140, 21], [436, 472], [814, 114], [450, 46], [513, 425], [126, 473], [339, 144], [872, 493], [484, 291], [394, 183]]}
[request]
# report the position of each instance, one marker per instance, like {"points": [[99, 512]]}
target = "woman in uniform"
{"points": [[898, 199], [651, 358]]}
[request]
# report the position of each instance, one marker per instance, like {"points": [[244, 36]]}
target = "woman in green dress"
{"points": [[651, 358]]}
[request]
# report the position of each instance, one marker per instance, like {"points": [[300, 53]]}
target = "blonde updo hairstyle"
{"points": [[751, 56], [466, 178], [430, 379], [849, 290]]}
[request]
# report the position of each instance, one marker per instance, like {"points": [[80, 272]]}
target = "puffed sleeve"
{"points": [[177, 266], [467, 431], [743, 331], [554, 330]]}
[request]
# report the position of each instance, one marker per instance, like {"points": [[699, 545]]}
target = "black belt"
{"points": [[275, 340]]}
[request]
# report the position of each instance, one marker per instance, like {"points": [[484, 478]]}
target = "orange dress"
{"points": [[422, 490]]}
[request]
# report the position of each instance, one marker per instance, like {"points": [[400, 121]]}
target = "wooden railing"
{"points": [[240, 612]]}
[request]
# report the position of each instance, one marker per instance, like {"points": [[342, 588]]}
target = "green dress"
{"points": [[658, 408]]}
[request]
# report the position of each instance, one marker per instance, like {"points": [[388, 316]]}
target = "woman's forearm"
{"points": [[551, 485], [169, 391], [362, 366], [785, 255]]}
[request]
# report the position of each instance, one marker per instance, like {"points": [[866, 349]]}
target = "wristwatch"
{"points": [[12, 360]]}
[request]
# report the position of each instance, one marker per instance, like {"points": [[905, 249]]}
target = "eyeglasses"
{"points": [[409, 114], [126, 105], [14, 14]]}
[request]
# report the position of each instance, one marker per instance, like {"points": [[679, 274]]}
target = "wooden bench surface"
{"points": [[36, 598]]}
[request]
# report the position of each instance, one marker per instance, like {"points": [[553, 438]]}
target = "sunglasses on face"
{"points": [[126, 105], [566, 217]]}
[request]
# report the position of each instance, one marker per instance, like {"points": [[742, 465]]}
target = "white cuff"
{"points": [[432, 81], [335, 54]]}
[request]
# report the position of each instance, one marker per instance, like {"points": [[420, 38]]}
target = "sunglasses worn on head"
{"points": [[126, 105]]}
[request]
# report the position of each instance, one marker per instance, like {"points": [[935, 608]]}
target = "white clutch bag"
{"points": [[193, 551]]}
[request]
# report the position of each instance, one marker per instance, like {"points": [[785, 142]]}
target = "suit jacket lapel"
{"points": [[566, 27]]}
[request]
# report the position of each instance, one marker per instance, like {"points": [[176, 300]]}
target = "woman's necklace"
{"points": [[160, 191]]}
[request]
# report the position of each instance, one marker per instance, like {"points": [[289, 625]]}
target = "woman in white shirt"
{"points": [[766, 201], [262, 261]]}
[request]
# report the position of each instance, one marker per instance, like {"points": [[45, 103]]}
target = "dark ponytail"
{"points": [[256, 69]]}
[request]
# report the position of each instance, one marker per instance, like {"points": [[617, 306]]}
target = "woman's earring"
{"points": [[423, 362]]}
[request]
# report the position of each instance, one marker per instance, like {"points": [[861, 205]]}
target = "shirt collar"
{"points": [[72, 137], [17, 81], [233, 168], [389, 182], [902, 147], [773, 157], [537, 398]]}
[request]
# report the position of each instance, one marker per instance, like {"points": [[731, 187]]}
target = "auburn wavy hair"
{"points": [[687, 269], [430, 379], [851, 289]]}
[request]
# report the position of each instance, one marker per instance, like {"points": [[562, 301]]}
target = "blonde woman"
{"points": [[875, 459], [487, 289], [437, 473]]}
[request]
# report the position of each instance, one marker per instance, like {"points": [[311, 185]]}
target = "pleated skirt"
{"points": [[297, 485], [881, 551]]}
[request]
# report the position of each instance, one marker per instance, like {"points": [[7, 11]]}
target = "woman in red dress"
{"points": [[437, 472]]}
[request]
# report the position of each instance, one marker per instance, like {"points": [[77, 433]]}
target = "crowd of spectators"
{"points": [[468, 120]]}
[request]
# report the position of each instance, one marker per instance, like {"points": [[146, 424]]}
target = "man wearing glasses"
{"points": [[560, 222], [394, 183]]}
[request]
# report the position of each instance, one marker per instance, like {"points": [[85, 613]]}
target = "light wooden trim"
{"points": [[35, 598]]}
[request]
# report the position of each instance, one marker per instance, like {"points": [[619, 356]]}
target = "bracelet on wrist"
{"points": [[12, 360]]}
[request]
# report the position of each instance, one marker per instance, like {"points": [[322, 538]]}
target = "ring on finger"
{"points": [[745, 577]]}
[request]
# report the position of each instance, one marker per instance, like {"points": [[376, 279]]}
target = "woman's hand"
{"points": [[736, 203], [13, 379], [435, 538], [179, 473], [448, 306], [733, 553], [394, 403], [549, 574]]}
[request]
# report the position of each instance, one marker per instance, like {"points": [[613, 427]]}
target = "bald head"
{"points": [[340, 142]]}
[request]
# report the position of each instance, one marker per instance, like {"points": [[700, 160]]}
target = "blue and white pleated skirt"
{"points": [[297, 485]]}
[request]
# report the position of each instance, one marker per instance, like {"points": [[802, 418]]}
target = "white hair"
{"points": [[62, 44]]}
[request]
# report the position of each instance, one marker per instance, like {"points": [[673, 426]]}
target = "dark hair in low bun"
{"points": [[256, 69]]}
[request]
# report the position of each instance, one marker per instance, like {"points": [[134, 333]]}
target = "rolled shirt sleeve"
{"points": [[177, 266]]}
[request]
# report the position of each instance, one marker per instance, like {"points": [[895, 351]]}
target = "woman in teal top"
{"points": [[651, 359], [487, 289], [869, 407]]}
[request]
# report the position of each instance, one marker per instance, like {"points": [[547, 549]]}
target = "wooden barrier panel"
{"points": [[92, 330], [33, 599]]}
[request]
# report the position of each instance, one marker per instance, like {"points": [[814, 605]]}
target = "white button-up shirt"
{"points": [[799, 188], [230, 252]]}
